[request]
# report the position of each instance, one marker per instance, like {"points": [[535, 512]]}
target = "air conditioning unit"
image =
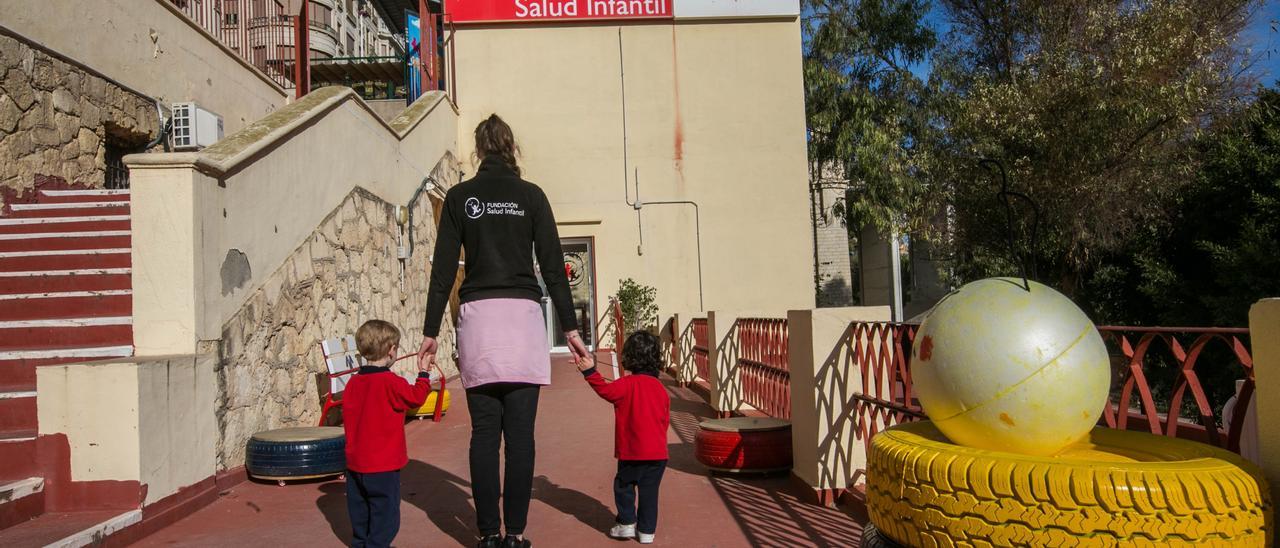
{"points": [[193, 127]]}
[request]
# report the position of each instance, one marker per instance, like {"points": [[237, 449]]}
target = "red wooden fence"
{"points": [[880, 353], [700, 348], [763, 366]]}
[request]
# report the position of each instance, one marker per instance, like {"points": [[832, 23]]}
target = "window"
{"points": [[117, 175], [320, 14], [351, 46], [260, 57]]}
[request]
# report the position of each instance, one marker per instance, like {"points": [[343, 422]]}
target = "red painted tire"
{"points": [[744, 444]]}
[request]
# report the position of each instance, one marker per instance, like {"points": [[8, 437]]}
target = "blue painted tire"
{"points": [[297, 453]]}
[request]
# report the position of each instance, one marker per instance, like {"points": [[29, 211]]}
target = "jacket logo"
{"points": [[474, 208]]}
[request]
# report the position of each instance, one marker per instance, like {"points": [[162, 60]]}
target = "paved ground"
{"points": [[573, 498]]}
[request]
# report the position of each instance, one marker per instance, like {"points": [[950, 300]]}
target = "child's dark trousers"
{"points": [[373, 501], [643, 476]]}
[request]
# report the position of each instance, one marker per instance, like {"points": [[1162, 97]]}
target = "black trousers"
{"points": [[373, 501], [644, 476], [502, 411]]}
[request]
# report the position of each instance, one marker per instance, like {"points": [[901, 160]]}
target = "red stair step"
{"points": [[19, 374], [63, 197], [21, 499], [18, 453], [67, 224], [95, 306], [55, 527], [45, 283], [64, 262], [29, 338], [38, 211], [59, 243], [17, 414]]}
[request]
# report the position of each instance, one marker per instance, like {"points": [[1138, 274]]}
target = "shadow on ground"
{"points": [[771, 510]]}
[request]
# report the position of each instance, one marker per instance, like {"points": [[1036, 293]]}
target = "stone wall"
{"points": [[56, 118], [346, 272]]}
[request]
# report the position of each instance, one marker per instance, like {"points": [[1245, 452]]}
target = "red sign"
{"points": [[532, 11]]}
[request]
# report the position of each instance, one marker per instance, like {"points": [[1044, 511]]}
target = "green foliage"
{"points": [[865, 107], [639, 305], [1221, 252], [1094, 106]]}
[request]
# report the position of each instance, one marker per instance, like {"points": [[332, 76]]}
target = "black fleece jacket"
{"points": [[501, 220]]}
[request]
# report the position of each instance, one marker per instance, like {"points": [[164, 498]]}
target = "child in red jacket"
{"points": [[373, 408], [642, 413]]}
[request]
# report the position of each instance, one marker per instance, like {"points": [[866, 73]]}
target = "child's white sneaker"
{"points": [[624, 531], [646, 538]]}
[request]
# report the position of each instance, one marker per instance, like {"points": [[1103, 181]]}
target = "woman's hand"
{"points": [[425, 361], [428, 348], [576, 346], [584, 364]]}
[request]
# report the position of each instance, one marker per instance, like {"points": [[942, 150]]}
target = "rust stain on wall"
{"points": [[678, 137]]}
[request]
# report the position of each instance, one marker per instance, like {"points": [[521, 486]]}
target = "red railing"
{"points": [[700, 348], [260, 32], [763, 366], [881, 353], [1133, 349]]}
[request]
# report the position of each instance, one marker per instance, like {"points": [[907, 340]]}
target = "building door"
{"points": [[579, 266]]}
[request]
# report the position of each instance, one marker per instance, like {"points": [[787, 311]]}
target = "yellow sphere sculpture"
{"points": [[997, 366]]}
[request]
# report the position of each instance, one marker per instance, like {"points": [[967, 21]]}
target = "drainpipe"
{"points": [[697, 227]]}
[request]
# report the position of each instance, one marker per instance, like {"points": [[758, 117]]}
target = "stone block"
{"points": [[71, 151], [68, 127], [17, 85], [88, 139], [10, 51], [90, 114], [95, 89], [45, 77], [10, 114], [64, 101]]}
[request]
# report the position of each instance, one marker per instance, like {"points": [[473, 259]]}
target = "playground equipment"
{"points": [[1014, 378], [1002, 366], [1116, 488], [435, 407], [744, 444], [307, 452]]}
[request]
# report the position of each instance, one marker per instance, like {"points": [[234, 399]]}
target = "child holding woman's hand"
{"points": [[642, 414]]}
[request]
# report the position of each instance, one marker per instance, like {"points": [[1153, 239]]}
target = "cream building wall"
{"points": [[714, 114]]}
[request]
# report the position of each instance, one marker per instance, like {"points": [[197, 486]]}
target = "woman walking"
{"points": [[504, 358]]}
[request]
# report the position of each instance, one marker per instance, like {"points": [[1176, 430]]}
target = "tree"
{"points": [[1093, 106], [639, 306], [1222, 250], [865, 107]]}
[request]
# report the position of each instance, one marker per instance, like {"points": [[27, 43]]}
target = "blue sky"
{"points": [[1263, 35]]}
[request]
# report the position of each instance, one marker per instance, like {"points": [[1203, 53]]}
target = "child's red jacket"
{"points": [[373, 408], [641, 413]]}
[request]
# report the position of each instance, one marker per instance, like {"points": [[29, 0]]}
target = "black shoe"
{"points": [[513, 542], [491, 541]]}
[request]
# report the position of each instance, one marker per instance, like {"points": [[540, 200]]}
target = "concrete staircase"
{"points": [[65, 295]]}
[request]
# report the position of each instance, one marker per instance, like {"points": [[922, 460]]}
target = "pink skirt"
{"points": [[503, 340]]}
